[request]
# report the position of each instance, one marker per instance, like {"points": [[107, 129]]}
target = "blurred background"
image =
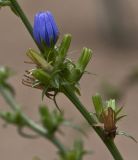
{"points": [[110, 29]]}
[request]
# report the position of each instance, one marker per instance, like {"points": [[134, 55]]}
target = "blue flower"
{"points": [[45, 29]]}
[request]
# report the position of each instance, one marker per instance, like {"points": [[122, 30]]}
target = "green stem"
{"points": [[4, 3], [30, 123], [73, 98], [90, 119], [24, 19]]}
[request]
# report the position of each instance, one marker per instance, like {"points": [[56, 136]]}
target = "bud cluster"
{"points": [[108, 114], [53, 68]]}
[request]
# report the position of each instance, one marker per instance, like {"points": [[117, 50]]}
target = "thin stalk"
{"points": [[73, 98], [6, 3], [30, 123], [24, 19]]}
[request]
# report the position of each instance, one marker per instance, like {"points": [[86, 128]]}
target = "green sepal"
{"points": [[38, 60], [63, 48], [98, 105], [126, 134], [42, 76]]}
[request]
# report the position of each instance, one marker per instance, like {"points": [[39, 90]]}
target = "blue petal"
{"points": [[49, 30], [54, 25], [45, 28], [36, 28], [42, 27]]}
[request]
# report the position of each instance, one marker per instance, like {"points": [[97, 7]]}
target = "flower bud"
{"points": [[65, 44], [38, 60], [45, 30], [42, 76], [77, 70], [84, 59]]}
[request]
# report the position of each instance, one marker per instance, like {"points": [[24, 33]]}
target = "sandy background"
{"points": [[111, 30]]}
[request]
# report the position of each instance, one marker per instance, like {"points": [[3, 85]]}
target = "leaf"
{"points": [[126, 134]]}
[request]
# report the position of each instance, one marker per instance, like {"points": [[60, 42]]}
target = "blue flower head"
{"points": [[45, 29]]}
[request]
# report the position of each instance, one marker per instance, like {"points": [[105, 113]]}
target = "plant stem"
{"points": [[30, 123], [73, 98], [24, 19], [90, 119], [6, 3]]}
